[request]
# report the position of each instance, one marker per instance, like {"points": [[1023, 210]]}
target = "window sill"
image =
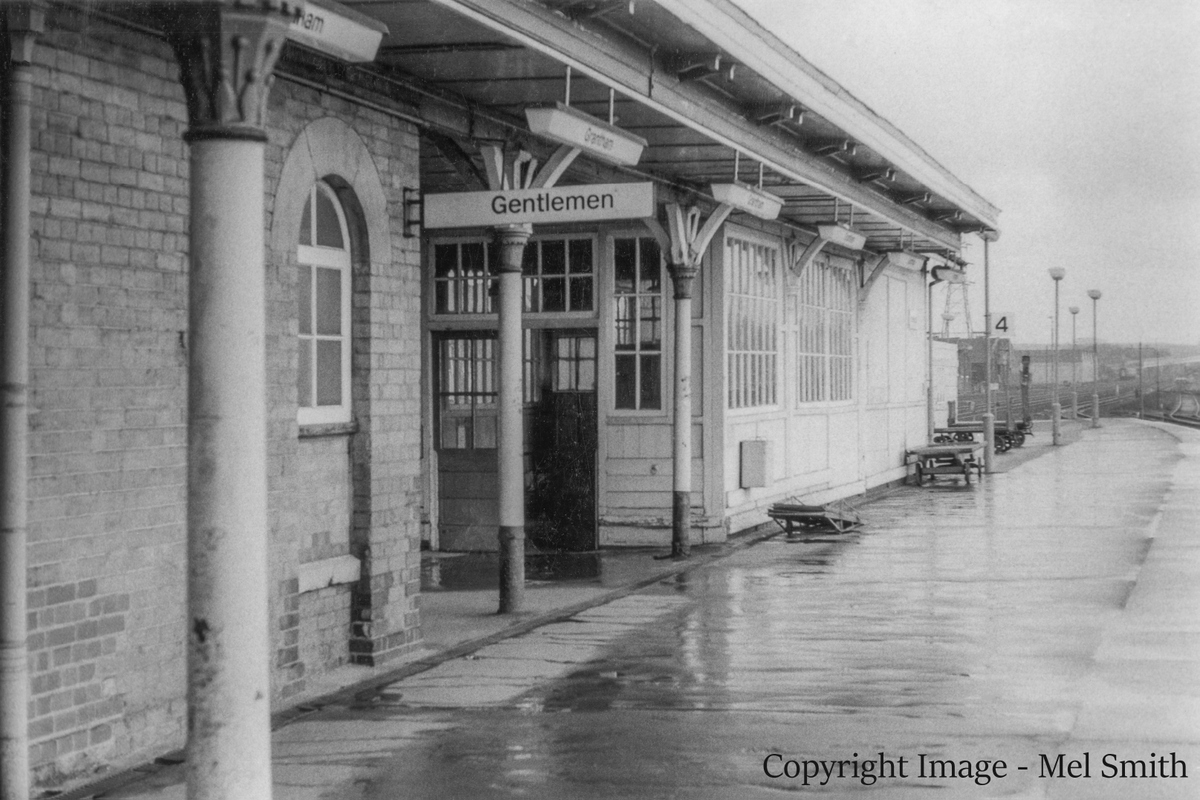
{"points": [[327, 572], [315, 430]]}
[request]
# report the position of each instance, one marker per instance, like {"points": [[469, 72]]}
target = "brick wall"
{"points": [[108, 394], [369, 157], [108, 357]]}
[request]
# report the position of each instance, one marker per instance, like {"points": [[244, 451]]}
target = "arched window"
{"points": [[323, 289]]}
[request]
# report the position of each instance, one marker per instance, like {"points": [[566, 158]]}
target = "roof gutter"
{"points": [[737, 33]]}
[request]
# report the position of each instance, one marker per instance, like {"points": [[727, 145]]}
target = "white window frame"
{"points": [[664, 382], [752, 374], [828, 320], [312, 256], [534, 283]]}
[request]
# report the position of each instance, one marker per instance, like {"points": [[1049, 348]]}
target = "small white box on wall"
{"points": [[753, 464]]}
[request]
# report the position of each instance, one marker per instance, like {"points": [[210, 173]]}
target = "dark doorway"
{"points": [[561, 499]]}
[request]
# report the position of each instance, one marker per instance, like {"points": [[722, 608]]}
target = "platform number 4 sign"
{"points": [[1002, 324]]}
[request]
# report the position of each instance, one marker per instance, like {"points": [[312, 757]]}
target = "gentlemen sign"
{"points": [[590, 203]]}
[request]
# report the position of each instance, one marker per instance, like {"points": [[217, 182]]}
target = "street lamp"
{"points": [[1095, 295], [1057, 274], [1074, 385]]}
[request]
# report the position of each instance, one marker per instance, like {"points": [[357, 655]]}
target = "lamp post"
{"points": [[989, 419], [1074, 385], [1056, 273], [1095, 295]]}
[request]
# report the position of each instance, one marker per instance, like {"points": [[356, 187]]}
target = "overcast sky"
{"points": [[1079, 120]]}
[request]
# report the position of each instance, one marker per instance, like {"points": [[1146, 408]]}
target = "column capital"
{"points": [[22, 22], [512, 240], [227, 53], [682, 274]]}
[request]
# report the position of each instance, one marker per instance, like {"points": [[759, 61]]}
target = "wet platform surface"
{"points": [[1049, 612]]}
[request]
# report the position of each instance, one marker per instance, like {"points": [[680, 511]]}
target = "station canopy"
{"points": [[697, 79]]}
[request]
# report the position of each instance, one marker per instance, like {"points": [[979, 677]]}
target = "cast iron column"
{"points": [[21, 25], [682, 276], [226, 55], [511, 445]]}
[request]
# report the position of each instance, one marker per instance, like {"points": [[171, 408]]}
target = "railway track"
{"points": [[1186, 410], [1112, 396]]}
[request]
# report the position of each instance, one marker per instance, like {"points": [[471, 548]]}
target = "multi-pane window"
{"points": [[558, 275], [462, 278], [637, 289], [323, 289], [574, 363], [468, 386], [467, 393], [824, 333], [751, 319]]}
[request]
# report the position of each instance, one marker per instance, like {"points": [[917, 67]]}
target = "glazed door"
{"points": [[468, 493], [561, 501]]}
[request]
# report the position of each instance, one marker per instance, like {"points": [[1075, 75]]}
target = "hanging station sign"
{"points": [[840, 234], [586, 203], [568, 126], [949, 274], [332, 28], [905, 259], [756, 202]]}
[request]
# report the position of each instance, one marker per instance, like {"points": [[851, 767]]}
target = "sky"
{"points": [[1079, 120]]}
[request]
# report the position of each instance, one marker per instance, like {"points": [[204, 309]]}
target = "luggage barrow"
{"points": [[952, 460], [797, 518]]}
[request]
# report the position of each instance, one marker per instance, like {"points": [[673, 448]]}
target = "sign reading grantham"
{"points": [[749, 199], [838, 234], [572, 127], [592, 202], [905, 259], [341, 32]]}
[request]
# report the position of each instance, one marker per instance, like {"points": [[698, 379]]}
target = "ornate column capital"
{"points": [[682, 275], [227, 53], [511, 240]]}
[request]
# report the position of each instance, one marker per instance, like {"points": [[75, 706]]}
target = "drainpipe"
{"points": [[226, 55], [510, 453], [682, 276], [22, 24], [930, 423]]}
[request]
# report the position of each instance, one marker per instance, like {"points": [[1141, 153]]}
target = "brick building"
{"points": [[108, 393], [806, 371]]}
